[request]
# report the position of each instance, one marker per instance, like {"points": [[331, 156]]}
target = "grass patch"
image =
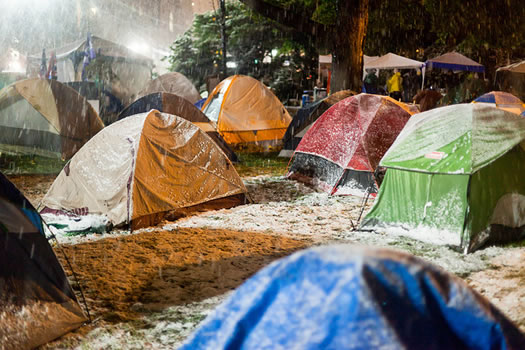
{"points": [[30, 164], [254, 164]]}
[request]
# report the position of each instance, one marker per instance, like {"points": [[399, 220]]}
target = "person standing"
{"points": [[394, 85], [371, 81]]}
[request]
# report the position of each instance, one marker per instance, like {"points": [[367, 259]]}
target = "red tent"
{"points": [[341, 151]]}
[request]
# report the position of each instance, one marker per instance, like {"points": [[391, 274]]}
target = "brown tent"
{"points": [[181, 107], [37, 303], [144, 167], [174, 83], [45, 117]]}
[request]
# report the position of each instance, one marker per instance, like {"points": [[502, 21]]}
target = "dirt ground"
{"points": [[127, 277]]}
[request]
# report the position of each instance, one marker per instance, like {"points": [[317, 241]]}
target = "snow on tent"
{"points": [[144, 168], [181, 107], [341, 151], [247, 113], [174, 83], [454, 61], [305, 118], [37, 303], [455, 176], [503, 100], [46, 118], [346, 297]]}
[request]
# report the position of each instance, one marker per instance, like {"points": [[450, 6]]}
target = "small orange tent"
{"points": [[144, 167], [247, 112]]}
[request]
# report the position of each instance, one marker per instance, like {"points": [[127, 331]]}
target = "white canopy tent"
{"points": [[393, 61]]}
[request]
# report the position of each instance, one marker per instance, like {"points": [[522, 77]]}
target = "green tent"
{"points": [[456, 172]]}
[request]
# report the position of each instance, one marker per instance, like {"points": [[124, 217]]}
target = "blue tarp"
{"points": [[343, 297], [200, 103]]}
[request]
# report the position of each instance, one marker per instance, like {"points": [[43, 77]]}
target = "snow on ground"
{"points": [[285, 207]]}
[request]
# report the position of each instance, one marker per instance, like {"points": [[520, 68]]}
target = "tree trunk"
{"points": [[348, 44]]}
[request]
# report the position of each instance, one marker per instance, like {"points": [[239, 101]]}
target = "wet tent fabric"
{"points": [[341, 151], [174, 83], [456, 173], [144, 167], [305, 118], [454, 61], [37, 303], [503, 100], [179, 106], [345, 297], [247, 112], [45, 117]]}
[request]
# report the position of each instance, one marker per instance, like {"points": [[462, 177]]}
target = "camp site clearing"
{"points": [[152, 287]]}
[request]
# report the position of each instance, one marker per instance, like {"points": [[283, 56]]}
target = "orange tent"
{"points": [[143, 168], [247, 112]]}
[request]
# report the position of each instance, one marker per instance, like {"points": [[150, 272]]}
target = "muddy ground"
{"points": [[151, 289]]}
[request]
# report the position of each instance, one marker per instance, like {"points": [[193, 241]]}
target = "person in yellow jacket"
{"points": [[395, 85]]}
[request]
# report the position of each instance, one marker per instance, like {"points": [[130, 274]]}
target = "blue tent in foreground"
{"points": [[345, 297]]}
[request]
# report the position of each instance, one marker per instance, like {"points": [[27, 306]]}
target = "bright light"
{"points": [[139, 47], [231, 64], [14, 67], [94, 10], [274, 52]]}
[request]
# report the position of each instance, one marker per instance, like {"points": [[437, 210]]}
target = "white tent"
{"points": [[393, 61]]}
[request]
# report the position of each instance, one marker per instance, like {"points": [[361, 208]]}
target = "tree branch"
{"points": [[294, 18]]}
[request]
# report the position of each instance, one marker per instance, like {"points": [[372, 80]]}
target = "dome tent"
{"points": [[247, 113], [503, 100], [173, 83], [46, 118], [143, 168], [37, 303], [341, 151], [179, 106], [305, 118], [455, 173], [346, 297]]}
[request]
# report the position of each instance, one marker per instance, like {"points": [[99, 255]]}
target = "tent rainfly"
{"points": [[37, 303], [143, 168], [454, 61], [455, 175], [341, 151], [305, 118], [181, 107], [247, 113], [46, 118], [174, 83], [503, 100], [347, 297]]}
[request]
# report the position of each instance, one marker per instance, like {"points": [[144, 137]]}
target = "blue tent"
{"points": [[455, 61], [344, 297]]}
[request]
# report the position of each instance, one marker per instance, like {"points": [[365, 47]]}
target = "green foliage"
{"points": [[251, 38]]}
